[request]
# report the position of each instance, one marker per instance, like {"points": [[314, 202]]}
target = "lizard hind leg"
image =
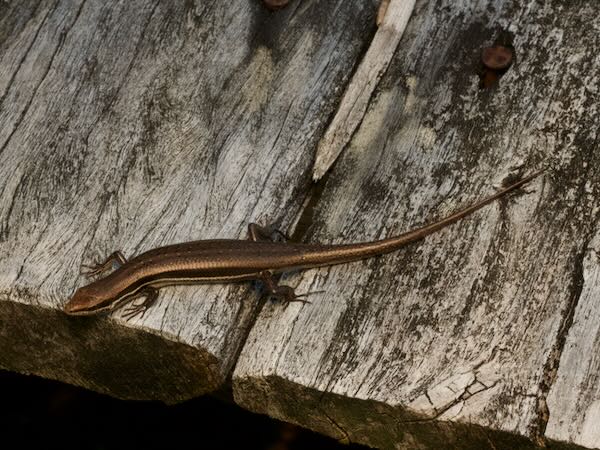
{"points": [[150, 295], [266, 233], [283, 293]]}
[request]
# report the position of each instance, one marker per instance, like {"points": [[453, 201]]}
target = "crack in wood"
{"points": [[5, 222], [136, 52], [27, 51], [305, 218], [466, 393], [244, 332], [346, 439], [463, 397], [538, 426], [61, 40], [365, 77]]}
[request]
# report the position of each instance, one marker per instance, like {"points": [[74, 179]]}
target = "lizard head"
{"points": [[86, 300]]}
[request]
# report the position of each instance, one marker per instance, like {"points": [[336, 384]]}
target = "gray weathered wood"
{"points": [[143, 123], [136, 124], [574, 398], [392, 19], [454, 341]]}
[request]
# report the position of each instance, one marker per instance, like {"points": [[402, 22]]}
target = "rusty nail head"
{"points": [[497, 57], [275, 4]]}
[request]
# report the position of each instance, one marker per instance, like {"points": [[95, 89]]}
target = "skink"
{"points": [[228, 260]]}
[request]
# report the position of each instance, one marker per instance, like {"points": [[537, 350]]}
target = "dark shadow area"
{"points": [[38, 413]]}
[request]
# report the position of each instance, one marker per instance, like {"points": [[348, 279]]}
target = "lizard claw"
{"points": [[134, 310], [287, 295]]}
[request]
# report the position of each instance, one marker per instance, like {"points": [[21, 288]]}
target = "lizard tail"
{"points": [[337, 254]]}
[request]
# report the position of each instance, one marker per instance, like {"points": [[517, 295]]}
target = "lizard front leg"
{"points": [[114, 259]]}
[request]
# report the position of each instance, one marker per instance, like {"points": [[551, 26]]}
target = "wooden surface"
{"points": [[456, 339], [574, 398], [392, 18], [134, 125], [141, 124]]}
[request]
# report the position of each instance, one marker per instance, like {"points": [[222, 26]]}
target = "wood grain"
{"points": [[136, 124], [392, 18], [574, 397], [465, 339]]}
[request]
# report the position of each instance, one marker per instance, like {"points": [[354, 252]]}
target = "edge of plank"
{"points": [[99, 354]]}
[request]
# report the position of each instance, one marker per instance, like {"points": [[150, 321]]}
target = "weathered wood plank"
{"points": [[136, 124], [455, 341], [392, 18], [574, 398]]}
